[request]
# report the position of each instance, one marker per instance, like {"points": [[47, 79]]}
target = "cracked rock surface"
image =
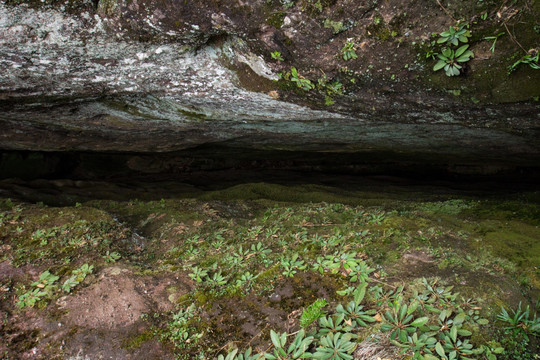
{"points": [[133, 76]]}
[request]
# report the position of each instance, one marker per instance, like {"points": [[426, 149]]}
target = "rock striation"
{"points": [[164, 76]]}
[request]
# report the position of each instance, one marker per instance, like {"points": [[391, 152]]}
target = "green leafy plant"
{"points": [[43, 236], [290, 265], [44, 286], [348, 52], [111, 257], [296, 350], [30, 298], [519, 322], [78, 276], [454, 35], [418, 346], [276, 55], [46, 281], [198, 274], [330, 89], [83, 271], [246, 280], [178, 330], [336, 346], [69, 284], [334, 324], [376, 218], [300, 81], [445, 322], [287, 3], [450, 60], [218, 243], [354, 312], [360, 272], [491, 350], [217, 279], [451, 347], [313, 312], [494, 38], [328, 101], [400, 320], [241, 253], [532, 58], [260, 250], [235, 355]]}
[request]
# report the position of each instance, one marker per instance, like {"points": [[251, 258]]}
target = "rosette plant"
{"points": [[450, 60]]}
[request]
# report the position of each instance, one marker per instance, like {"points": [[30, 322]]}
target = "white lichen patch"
{"points": [[40, 48]]}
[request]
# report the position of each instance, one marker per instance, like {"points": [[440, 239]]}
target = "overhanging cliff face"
{"points": [[129, 76]]}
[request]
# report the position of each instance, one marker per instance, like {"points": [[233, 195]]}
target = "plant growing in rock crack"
{"points": [[532, 58], [46, 281], [83, 271], [296, 350], [494, 38], [450, 60], [43, 236], [454, 35], [336, 346], [290, 265], [276, 55], [330, 89], [313, 313], [300, 81], [69, 284], [348, 52]]}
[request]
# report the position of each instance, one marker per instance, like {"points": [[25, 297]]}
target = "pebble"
{"points": [[275, 297]]}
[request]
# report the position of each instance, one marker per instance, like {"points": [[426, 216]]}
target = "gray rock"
{"points": [[163, 77]]}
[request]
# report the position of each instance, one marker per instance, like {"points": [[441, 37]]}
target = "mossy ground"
{"points": [[239, 247]]}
